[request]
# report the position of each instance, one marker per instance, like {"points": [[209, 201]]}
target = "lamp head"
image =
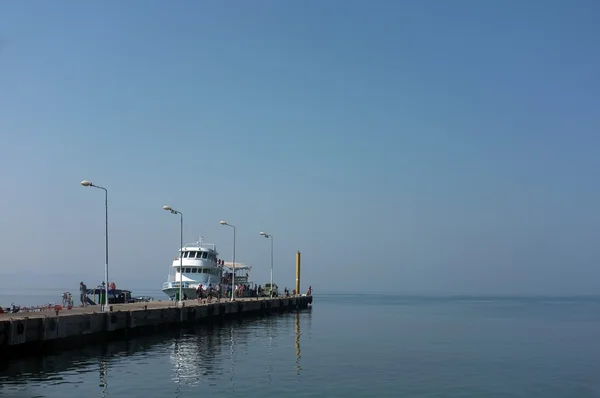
{"points": [[167, 208], [223, 223], [86, 183]]}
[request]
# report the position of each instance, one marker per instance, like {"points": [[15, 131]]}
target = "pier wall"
{"points": [[36, 333]]}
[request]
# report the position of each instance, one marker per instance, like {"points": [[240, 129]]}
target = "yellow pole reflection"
{"points": [[298, 351]]}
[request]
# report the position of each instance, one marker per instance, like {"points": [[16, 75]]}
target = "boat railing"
{"points": [[210, 246], [168, 285]]}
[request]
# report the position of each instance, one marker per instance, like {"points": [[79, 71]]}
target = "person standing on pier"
{"points": [[199, 293], [83, 293], [209, 293], [218, 291]]}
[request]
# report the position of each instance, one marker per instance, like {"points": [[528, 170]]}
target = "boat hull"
{"points": [[172, 292]]}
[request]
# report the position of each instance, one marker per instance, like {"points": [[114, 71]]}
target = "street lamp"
{"points": [[270, 236], [173, 211], [233, 275], [89, 184]]}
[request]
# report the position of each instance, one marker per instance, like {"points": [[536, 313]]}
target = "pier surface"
{"points": [[34, 332]]}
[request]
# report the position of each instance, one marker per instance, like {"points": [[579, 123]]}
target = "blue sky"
{"points": [[422, 147]]}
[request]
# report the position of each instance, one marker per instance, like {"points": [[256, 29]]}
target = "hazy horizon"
{"points": [[402, 147]]}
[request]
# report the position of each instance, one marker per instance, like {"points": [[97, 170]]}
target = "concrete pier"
{"points": [[37, 332]]}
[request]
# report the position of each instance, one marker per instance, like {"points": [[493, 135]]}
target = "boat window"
{"points": [[204, 254], [194, 270], [188, 270]]}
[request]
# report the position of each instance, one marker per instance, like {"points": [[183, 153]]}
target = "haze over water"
{"points": [[346, 346], [456, 142]]}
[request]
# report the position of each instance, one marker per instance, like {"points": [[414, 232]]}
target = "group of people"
{"points": [[209, 292]]}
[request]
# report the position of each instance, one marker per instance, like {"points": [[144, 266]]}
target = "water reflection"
{"points": [[232, 358], [270, 348], [194, 357], [104, 377], [176, 359], [298, 351], [20, 371]]}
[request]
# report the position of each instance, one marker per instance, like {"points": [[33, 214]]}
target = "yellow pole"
{"points": [[298, 273]]}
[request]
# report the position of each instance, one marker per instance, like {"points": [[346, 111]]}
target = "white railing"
{"points": [[175, 285], [210, 246]]}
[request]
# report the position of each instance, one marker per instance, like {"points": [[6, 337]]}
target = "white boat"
{"points": [[200, 266]]}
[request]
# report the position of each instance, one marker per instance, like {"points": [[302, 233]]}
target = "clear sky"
{"points": [[410, 146]]}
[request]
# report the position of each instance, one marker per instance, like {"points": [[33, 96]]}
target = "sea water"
{"points": [[345, 346]]}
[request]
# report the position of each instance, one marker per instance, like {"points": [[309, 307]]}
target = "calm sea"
{"points": [[346, 346]]}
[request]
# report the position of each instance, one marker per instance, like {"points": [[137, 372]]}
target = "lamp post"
{"points": [[86, 183], [173, 211], [233, 275], [270, 236]]}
